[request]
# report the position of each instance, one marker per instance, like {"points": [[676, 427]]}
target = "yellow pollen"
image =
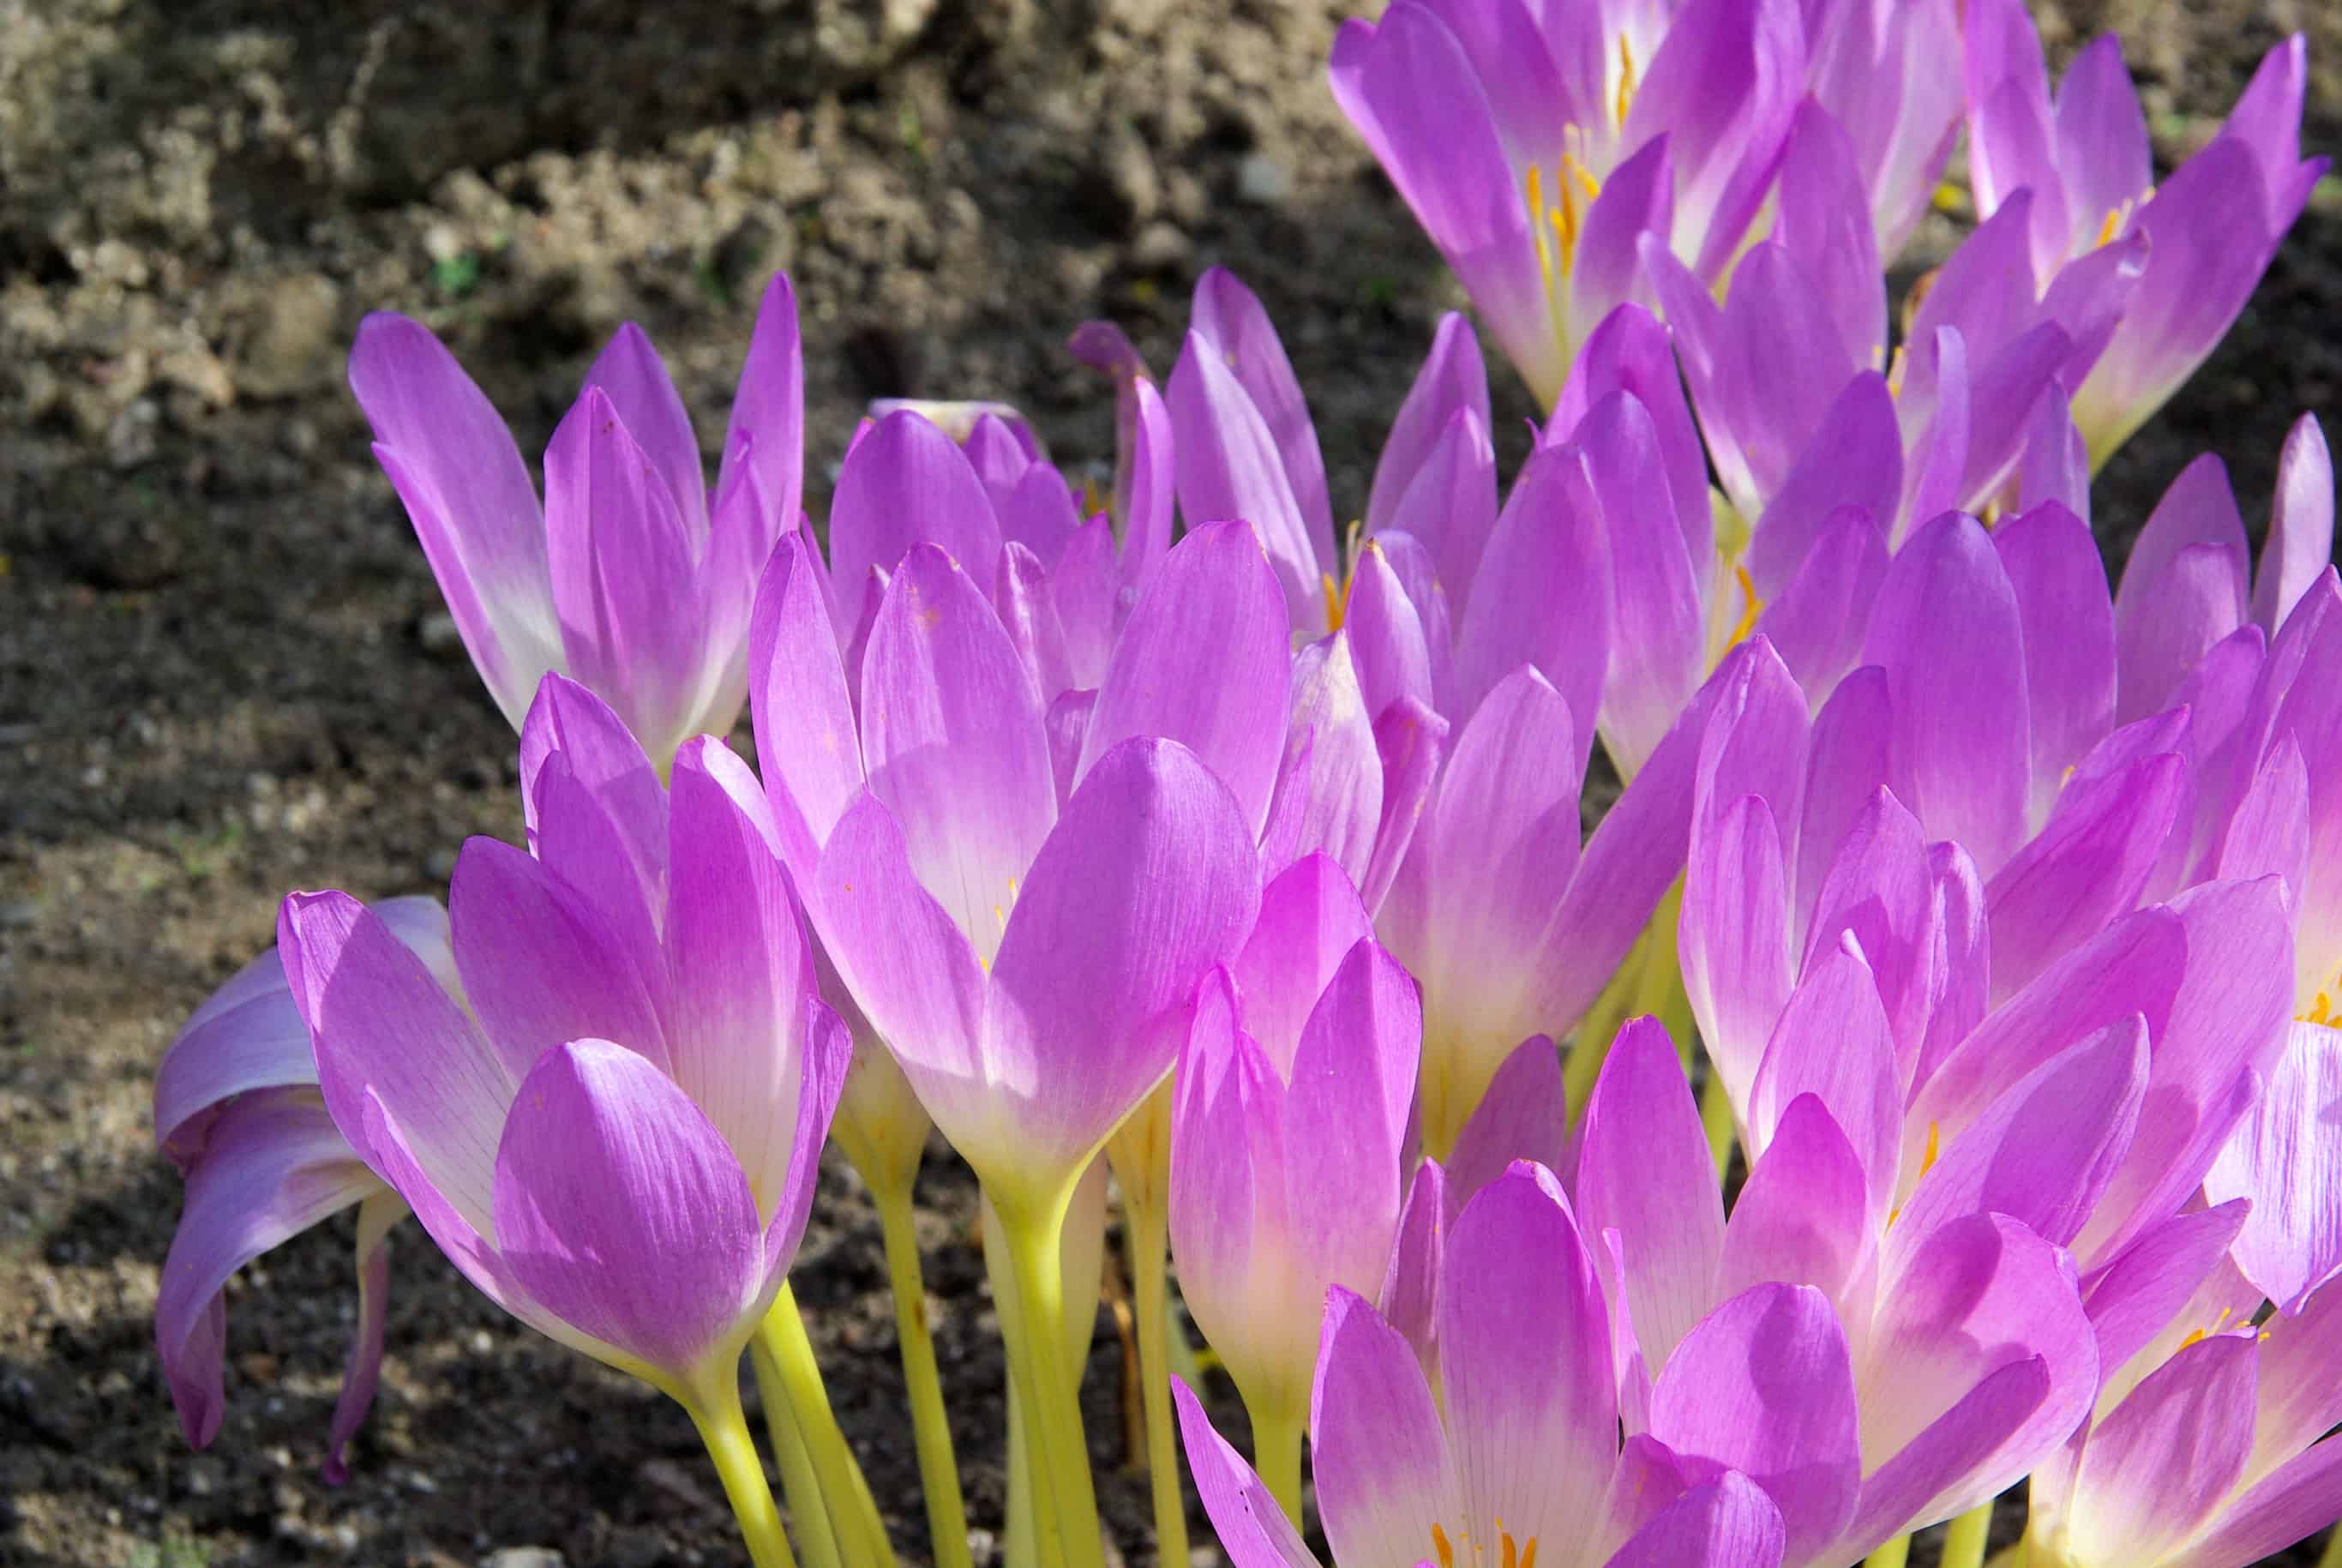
{"points": [[1093, 501], [1751, 605], [2321, 1010], [1338, 600], [1625, 78], [1927, 1158], [1439, 1544], [2219, 1322], [2111, 227], [2194, 1334]]}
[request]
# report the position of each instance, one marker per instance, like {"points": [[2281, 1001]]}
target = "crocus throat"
{"points": [[1510, 1554]]}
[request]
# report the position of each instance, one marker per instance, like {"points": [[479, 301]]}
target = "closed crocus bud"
{"points": [[632, 577], [1285, 1148]]}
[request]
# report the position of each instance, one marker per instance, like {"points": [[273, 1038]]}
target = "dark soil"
{"points": [[225, 672]]}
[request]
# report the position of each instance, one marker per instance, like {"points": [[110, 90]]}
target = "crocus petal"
{"points": [[1825, 219], [1631, 352], [1329, 786], [1732, 940], [384, 1029], [1412, 741], [2102, 151], [2165, 626], [1409, 1298], [471, 500], [2288, 1507], [1855, 460], [1229, 317], [2046, 1150], [1524, 1115], [1386, 636], [1658, 631], [541, 966], [2301, 526], [743, 969], [1154, 484], [1346, 1117], [1948, 1467], [1524, 1357], [1542, 598], [1643, 1170], [807, 746], [1470, 905], [2088, 864], [1965, 1301], [1409, 87], [1149, 879], [2069, 640], [376, 1215], [274, 1166], [907, 483], [1028, 613], [620, 555], [1452, 381], [1451, 506], [1763, 1385], [1252, 1528], [1638, 199], [1379, 1452], [1230, 470], [1803, 1216], [1205, 661], [1726, 1523], [768, 408], [1833, 1041], [2136, 1297], [953, 737], [2160, 1465], [1230, 1230], [2284, 1157], [629, 372], [604, 1162], [568, 721], [1947, 630], [1310, 918]]}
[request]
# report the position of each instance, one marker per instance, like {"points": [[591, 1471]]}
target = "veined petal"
{"points": [[1853, 461], [1833, 1041], [1310, 918], [2285, 1158], [2102, 150], [1381, 1460], [621, 557], [1252, 1528], [951, 736], [629, 372], [1732, 940], [1803, 1217], [2158, 1468], [606, 1165], [1657, 617], [1148, 879], [1726, 1523], [1346, 1116], [2069, 626], [1229, 317], [807, 744], [1231, 470], [386, 1031], [1524, 1358], [1542, 598]]}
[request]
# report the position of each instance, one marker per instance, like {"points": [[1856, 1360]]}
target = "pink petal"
{"points": [[907, 483], [807, 744], [1310, 918], [1252, 1528]]}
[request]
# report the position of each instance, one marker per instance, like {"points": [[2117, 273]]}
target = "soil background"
{"points": [[224, 671]]}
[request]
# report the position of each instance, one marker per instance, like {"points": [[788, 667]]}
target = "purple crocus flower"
{"points": [[631, 577], [1942, 1343], [2084, 161], [237, 1109], [2204, 1450], [1537, 149], [1022, 909], [1516, 1460], [615, 1133], [1287, 1131]]}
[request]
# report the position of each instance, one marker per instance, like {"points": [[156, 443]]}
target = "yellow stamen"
{"points": [[2321, 1010], [1338, 600], [2112, 226], [1439, 1544], [1625, 78], [1751, 605], [1927, 1158]]}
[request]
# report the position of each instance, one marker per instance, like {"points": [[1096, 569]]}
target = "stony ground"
{"points": [[223, 671]]}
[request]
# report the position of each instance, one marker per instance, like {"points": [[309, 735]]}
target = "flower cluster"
{"points": [[1990, 910]]}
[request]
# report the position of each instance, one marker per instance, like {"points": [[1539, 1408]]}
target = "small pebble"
{"points": [[1263, 181]]}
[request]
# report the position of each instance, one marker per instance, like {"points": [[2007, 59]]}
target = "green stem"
{"points": [[1149, 1235], [725, 1430], [930, 1427], [1064, 1504], [799, 1484], [2333, 1558], [861, 1536], [1649, 980], [1716, 1119], [1276, 1457], [1971, 1534], [1893, 1555]]}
